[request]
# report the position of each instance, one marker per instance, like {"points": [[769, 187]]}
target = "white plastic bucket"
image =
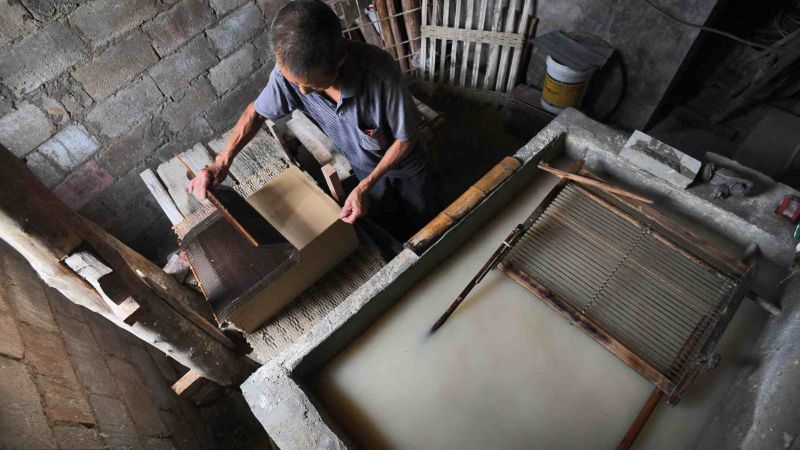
{"points": [[563, 87]]}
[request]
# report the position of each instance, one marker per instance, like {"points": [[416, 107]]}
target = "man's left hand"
{"points": [[356, 204]]}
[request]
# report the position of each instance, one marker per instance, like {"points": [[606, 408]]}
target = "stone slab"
{"points": [[132, 148], [103, 20], [83, 185], [660, 160], [134, 393], [239, 64], [63, 404], [236, 28], [24, 128], [170, 29], [46, 355], [78, 437], [57, 47], [157, 386], [22, 420], [196, 99], [70, 147], [227, 109], [117, 65], [177, 70], [45, 170], [90, 365], [115, 424], [41, 10], [105, 334], [10, 341], [14, 22], [223, 6], [116, 115], [23, 289]]}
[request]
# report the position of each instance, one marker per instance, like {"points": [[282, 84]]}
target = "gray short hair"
{"points": [[306, 37]]}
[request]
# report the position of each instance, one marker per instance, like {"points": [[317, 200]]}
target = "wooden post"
{"points": [[46, 232], [411, 20], [382, 10], [641, 420], [334, 184]]}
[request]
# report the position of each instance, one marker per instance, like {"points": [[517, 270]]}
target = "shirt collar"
{"points": [[351, 75]]}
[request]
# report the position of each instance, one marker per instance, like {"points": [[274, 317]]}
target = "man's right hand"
{"points": [[209, 178]]}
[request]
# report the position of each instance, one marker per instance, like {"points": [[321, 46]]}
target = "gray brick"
{"points": [[159, 388], [22, 420], [133, 392], [116, 66], [45, 353], [236, 28], [127, 193], [22, 130], [70, 147], [91, 368], [40, 57], [83, 185], [78, 437], [197, 131], [115, 424], [54, 109], [103, 20], [228, 109], [105, 334], [41, 10], [10, 341], [223, 6], [129, 150], [170, 29], [14, 22], [115, 115], [175, 72], [45, 169], [164, 366], [183, 437], [61, 305], [75, 332], [63, 404], [23, 289], [270, 8], [196, 99], [239, 64]]}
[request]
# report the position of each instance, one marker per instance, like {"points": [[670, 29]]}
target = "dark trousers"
{"points": [[402, 204]]}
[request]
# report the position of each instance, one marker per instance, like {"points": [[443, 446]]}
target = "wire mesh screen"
{"points": [[656, 299], [228, 267]]}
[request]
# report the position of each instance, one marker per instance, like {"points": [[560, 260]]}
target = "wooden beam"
{"points": [[162, 196]]}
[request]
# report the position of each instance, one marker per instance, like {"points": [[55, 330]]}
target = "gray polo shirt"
{"points": [[375, 108]]}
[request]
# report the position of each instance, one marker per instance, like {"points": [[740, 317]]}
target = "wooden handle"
{"points": [[594, 183], [222, 209], [640, 420]]}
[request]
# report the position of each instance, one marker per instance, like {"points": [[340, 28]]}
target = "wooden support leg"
{"points": [[641, 419]]}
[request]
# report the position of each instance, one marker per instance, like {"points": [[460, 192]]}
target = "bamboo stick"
{"points": [[590, 182]]}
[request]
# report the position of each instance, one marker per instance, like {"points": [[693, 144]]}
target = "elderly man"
{"points": [[357, 96]]}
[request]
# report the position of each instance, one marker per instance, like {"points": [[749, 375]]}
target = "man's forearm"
{"points": [[396, 152], [247, 127]]}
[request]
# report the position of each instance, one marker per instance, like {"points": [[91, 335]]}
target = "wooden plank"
{"points": [[334, 184], [593, 183], [465, 50], [411, 20], [183, 386], [173, 175], [432, 56], [443, 50], [494, 50], [257, 156], [382, 10], [588, 326], [503, 38], [499, 84], [526, 28], [397, 42], [162, 197], [106, 283], [423, 40], [318, 144], [476, 60], [454, 55], [369, 32]]}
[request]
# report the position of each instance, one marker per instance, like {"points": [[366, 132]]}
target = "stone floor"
{"points": [[71, 379]]}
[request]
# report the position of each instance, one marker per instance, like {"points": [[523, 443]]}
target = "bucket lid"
{"points": [[579, 56]]}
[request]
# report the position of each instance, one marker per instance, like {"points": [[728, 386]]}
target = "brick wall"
{"points": [[69, 378], [92, 92]]}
